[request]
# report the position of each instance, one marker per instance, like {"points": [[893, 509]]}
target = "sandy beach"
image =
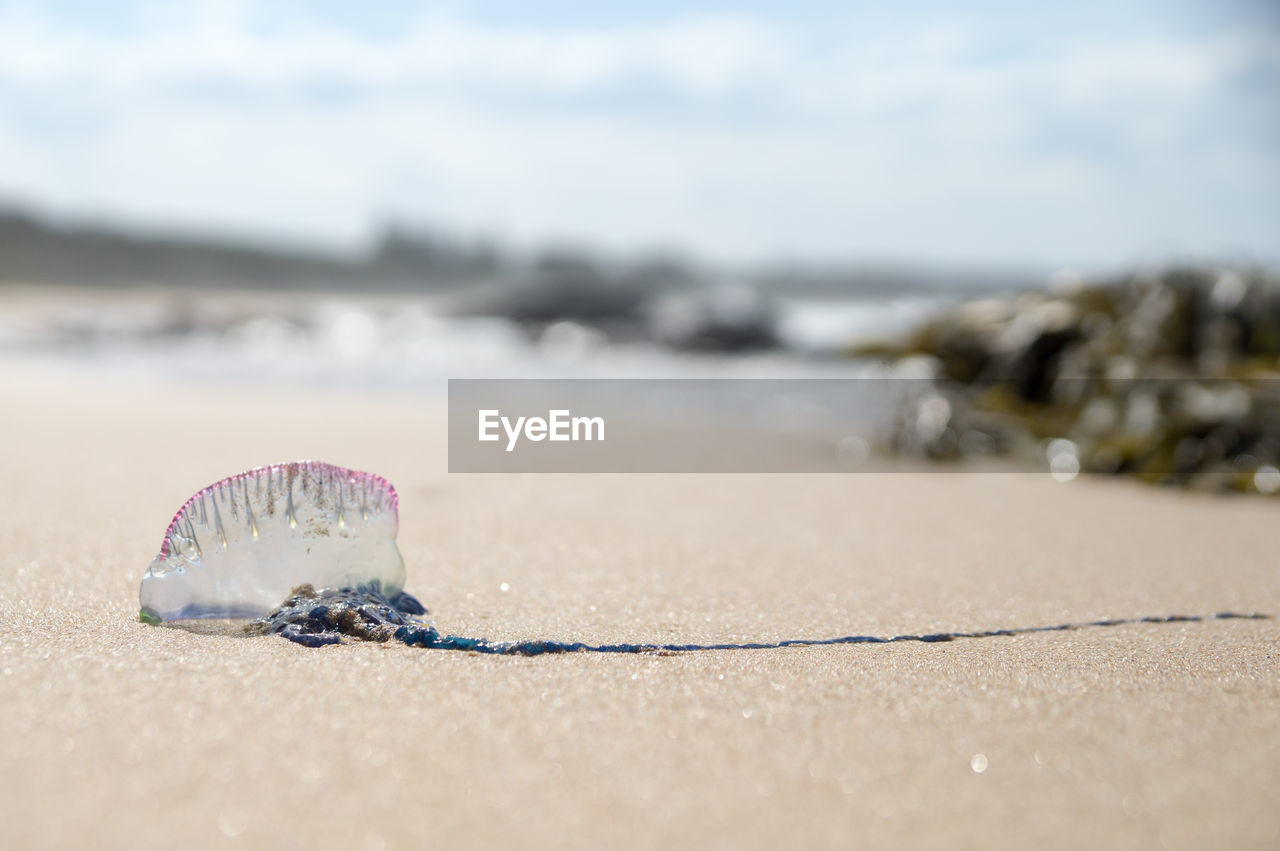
{"points": [[114, 733]]}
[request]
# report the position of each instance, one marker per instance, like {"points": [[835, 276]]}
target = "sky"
{"points": [[1100, 135]]}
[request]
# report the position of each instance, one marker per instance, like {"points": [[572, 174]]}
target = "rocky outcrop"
{"points": [[1173, 377]]}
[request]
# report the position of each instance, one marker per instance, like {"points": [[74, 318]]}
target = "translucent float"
{"points": [[238, 547]]}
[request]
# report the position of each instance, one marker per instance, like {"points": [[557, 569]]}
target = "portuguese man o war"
{"points": [[238, 547], [323, 539]]}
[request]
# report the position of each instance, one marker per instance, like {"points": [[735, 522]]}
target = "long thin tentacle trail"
{"points": [[315, 619], [428, 637]]}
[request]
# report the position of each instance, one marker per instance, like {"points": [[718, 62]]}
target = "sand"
{"points": [[114, 733]]}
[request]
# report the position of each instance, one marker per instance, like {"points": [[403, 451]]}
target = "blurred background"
{"points": [[387, 195]]}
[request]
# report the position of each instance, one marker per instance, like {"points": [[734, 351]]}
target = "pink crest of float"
{"points": [[367, 482]]}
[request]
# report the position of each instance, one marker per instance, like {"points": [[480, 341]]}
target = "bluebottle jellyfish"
{"points": [[238, 547], [308, 551]]}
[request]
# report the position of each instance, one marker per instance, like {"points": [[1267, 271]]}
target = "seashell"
{"points": [[238, 547]]}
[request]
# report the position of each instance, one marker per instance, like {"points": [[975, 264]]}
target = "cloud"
{"points": [[700, 53], [732, 135]]}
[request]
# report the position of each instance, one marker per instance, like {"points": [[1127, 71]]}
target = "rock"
{"points": [[1173, 378], [727, 317]]}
